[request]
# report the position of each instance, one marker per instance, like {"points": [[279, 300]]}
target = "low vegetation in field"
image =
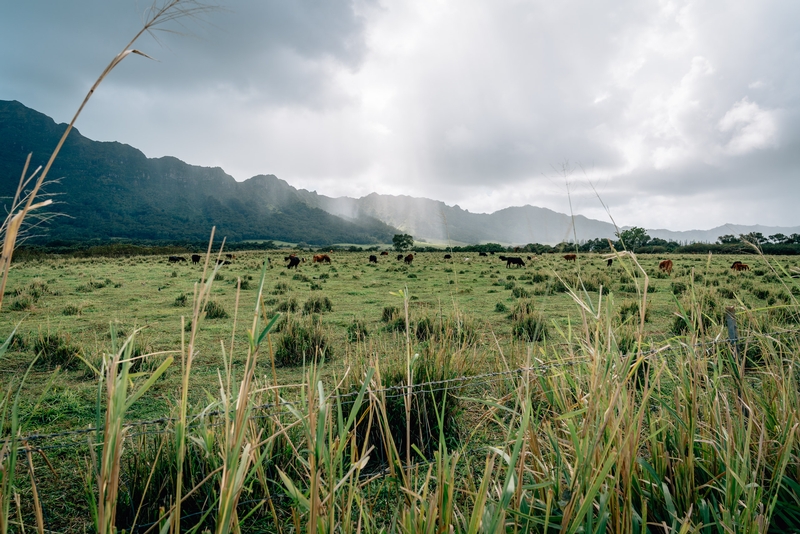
{"points": [[470, 397]]}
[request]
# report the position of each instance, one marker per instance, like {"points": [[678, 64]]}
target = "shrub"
{"points": [[214, 310], [519, 292], [23, 303], [500, 307], [180, 300], [317, 305], [54, 350], [458, 329], [280, 288], [289, 305], [678, 288], [315, 286], [526, 323], [357, 331], [630, 311], [301, 341], [71, 309], [390, 313]]}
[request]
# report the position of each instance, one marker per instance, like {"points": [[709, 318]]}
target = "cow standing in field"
{"points": [[294, 261], [739, 266], [322, 258], [373, 258], [399, 257], [609, 261], [384, 253], [448, 256], [408, 259], [195, 259], [513, 260], [666, 266], [230, 256], [570, 257], [175, 259], [482, 254]]}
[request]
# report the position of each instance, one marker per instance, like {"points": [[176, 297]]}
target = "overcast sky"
{"points": [[676, 114]]}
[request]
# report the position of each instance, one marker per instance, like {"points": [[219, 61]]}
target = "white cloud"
{"points": [[750, 126]]}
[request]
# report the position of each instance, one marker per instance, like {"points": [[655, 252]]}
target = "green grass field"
{"points": [[468, 315]]}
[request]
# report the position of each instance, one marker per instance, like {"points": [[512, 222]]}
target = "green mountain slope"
{"points": [[111, 190]]}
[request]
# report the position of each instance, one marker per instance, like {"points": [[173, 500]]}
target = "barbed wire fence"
{"points": [[273, 409], [73, 438]]}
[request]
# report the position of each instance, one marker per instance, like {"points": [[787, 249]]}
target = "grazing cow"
{"points": [[223, 262], [399, 257], [666, 266], [195, 258], [482, 254], [294, 261], [230, 256], [290, 256], [373, 258], [448, 256], [175, 259], [513, 260], [529, 258], [609, 261], [570, 257], [321, 258], [492, 253], [408, 259], [739, 266], [384, 253], [502, 258]]}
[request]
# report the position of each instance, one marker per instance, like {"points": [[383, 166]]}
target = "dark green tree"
{"points": [[727, 239], [634, 238], [402, 242], [757, 238]]}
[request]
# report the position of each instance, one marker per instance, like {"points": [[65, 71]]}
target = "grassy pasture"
{"points": [[75, 301], [555, 428]]}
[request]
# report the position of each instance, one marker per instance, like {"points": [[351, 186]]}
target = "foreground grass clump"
{"points": [[302, 340], [54, 350]]}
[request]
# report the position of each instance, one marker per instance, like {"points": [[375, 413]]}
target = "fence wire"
{"points": [[273, 409]]}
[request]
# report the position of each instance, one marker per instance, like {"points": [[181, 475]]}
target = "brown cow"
{"points": [[321, 258], [666, 266], [739, 267], [384, 253], [570, 257], [408, 259]]}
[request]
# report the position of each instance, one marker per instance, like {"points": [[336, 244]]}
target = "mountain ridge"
{"points": [[110, 190]]}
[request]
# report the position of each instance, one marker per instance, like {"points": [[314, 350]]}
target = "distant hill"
{"points": [[435, 221], [111, 190]]}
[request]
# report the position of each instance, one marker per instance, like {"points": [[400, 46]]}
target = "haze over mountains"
{"points": [[109, 190]]}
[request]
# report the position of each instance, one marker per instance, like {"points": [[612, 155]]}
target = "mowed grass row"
{"points": [[65, 308]]}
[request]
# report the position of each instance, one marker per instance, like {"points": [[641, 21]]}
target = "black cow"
{"points": [[482, 254], [384, 253], [294, 261], [513, 260], [502, 258], [609, 262], [223, 262], [448, 256], [492, 253], [196, 258], [175, 259], [399, 257], [373, 258]]}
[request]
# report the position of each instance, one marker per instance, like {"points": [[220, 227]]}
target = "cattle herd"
{"points": [[293, 261]]}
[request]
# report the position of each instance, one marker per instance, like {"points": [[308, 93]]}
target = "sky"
{"points": [[662, 114]]}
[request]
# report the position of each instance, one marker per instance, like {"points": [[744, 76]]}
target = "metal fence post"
{"points": [[733, 334]]}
